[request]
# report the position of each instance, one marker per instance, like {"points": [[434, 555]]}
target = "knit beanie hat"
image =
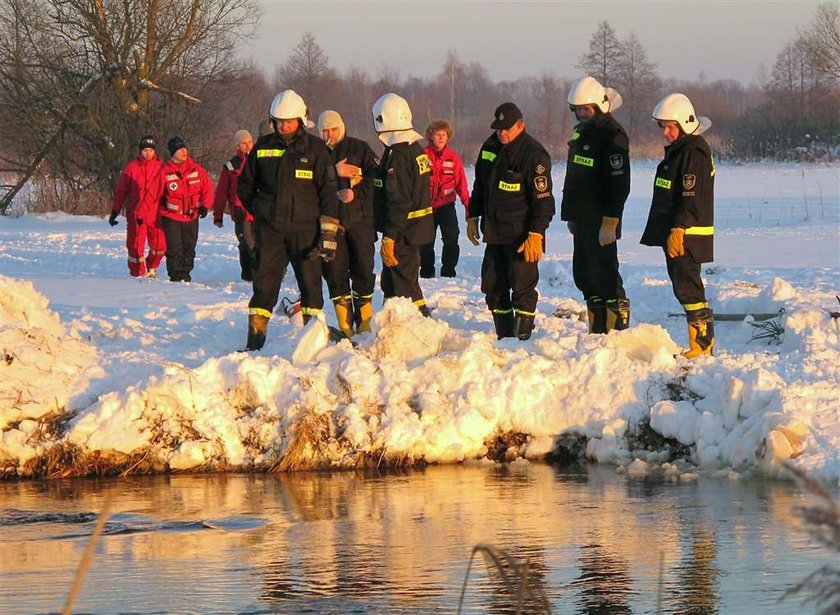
{"points": [[175, 143], [147, 141], [331, 119], [241, 135]]}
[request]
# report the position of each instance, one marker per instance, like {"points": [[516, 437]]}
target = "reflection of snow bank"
{"points": [[419, 389], [43, 367]]}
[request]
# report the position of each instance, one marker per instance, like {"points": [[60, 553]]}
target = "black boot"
{"points": [[503, 319], [427, 261], [617, 314], [257, 326], [449, 260], [523, 324], [596, 311]]}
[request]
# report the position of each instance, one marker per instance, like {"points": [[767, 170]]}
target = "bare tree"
{"points": [[307, 71], [604, 55], [637, 83], [93, 75], [821, 39], [545, 124]]}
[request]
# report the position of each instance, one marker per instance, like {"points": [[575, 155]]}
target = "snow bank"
{"points": [[44, 367], [421, 390]]}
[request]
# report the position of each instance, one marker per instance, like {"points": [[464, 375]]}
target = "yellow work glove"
{"points": [[472, 231], [386, 251], [607, 235], [676, 242], [532, 247]]}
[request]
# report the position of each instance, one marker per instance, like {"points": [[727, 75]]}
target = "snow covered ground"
{"points": [[104, 372]]}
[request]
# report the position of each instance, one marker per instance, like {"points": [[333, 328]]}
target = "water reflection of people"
{"points": [[605, 582], [697, 576]]}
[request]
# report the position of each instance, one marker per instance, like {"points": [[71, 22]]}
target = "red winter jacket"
{"points": [[226, 197], [135, 188], [448, 177], [183, 189]]}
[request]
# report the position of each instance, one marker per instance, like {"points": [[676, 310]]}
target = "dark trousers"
{"points": [[245, 253], [507, 280], [446, 219], [403, 280], [353, 262], [595, 267], [274, 251], [181, 238], [684, 272]]}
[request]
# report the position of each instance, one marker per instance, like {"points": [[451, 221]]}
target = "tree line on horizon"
{"points": [[82, 80]]}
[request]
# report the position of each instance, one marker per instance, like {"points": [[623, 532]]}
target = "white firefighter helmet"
{"points": [[678, 108], [392, 120], [288, 105], [589, 91], [391, 112]]}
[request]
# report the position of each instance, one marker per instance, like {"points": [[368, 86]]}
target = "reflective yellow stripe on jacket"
{"points": [[700, 230], [270, 153], [419, 213]]}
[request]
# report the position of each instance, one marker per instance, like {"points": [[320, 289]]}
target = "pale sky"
{"points": [[516, 39]]}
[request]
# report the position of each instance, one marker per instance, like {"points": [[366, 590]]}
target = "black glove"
{"points": [[202, 211], [139, 221], [238, 214], [328, 244], [112, 220]]}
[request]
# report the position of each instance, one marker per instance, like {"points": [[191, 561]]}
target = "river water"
{"points": [[595, 542]]}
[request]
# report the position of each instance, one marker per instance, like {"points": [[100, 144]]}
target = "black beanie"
{"points": [[175, 143], [147, 141]]}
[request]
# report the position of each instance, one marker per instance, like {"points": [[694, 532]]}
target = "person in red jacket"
{"points": [[137, 181], [447, 181], [184, 192], [227, 200]]}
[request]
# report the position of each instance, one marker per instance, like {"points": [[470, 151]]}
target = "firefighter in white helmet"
{"points": [[402, 200], [681, 219], [288, 185], [596, 186]]}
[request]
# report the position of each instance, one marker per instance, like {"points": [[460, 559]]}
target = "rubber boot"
{"points": [[257, 326], [617, 314], [701, 333], [362, 313], [425, 311], [523, 324], [503, 319], [344, 314], [596, 312]]}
